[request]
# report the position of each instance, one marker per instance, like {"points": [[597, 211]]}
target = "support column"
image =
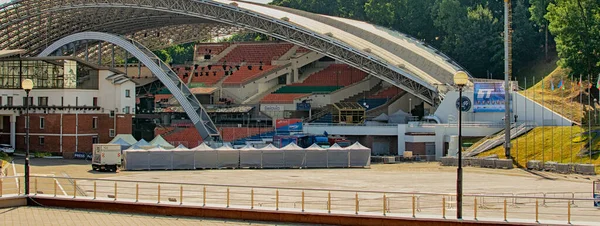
{"points": [[401, 139], [13, 131]]}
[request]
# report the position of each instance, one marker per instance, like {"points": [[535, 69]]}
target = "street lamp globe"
{"points": [[461, 78], [27, 84]]}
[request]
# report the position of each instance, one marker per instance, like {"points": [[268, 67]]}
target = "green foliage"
{"points": [[41, 154], [247, 37], [470, 31], [177, 54], [576, 27]]}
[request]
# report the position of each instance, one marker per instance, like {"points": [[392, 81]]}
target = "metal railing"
{"points": [[565, 207]]}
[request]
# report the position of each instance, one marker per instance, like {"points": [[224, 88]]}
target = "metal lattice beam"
{"points": [[22, 21], [197, 114]]}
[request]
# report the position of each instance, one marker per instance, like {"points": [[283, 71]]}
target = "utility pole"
{"points": [[507, 74]]}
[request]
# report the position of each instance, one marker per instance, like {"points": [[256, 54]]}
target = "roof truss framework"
{"points": [[197, 114], [34, 24]]}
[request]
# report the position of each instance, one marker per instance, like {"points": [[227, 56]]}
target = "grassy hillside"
{"points": [[559, 144], [536, 69], [563, 101]]}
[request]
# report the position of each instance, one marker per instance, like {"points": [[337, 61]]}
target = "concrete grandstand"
{"points": [[338, 76]]}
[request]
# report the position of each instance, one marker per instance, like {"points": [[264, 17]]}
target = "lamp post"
{"points": [[460, 79], [27, 85]]}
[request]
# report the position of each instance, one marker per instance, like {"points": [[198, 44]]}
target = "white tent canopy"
{"points": [[125, 137], [203, 147], [159, 140]]}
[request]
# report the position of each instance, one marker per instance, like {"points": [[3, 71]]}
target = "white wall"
{"points": [[447, 111], [112, 96]]}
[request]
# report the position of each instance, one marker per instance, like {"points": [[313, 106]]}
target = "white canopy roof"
{"points": [[357, 146], [292, 146], [125, 137], [248, 147], [270, 147], [316, 147], [225, 147], [157, 148], [336, 147], [203, 147], [180, 148], [159, 140]]}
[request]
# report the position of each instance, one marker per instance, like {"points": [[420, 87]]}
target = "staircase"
{"points": [[364, 94], [383, 108], [498, 139], [319, 113]]}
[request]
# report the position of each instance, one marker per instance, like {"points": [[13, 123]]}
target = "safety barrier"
{"points": [[527, 208]]}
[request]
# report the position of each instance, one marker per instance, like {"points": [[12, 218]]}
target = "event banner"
{"points": [[489, 97]]}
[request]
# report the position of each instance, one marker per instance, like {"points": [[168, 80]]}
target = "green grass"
{"points": [[560, 144], [564, 102], [536, 69]]}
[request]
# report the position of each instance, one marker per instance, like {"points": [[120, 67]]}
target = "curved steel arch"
{"points": [[203, 123], [232, 15]]}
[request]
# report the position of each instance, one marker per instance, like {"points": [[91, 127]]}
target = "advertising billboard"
{"points": [[489, 97], [291, 125]]}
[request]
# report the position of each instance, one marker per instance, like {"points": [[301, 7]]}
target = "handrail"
{"points": [[317, 189]]}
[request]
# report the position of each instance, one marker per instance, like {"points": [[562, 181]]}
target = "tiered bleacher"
{"points": [[211, 48], [244, 74], [328, 80], [381, 97], [257, 53]]}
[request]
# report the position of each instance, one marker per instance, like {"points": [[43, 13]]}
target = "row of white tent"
{"points": [[205, 157]]}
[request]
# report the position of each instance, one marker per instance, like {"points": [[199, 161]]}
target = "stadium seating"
{"points": [[244, 74], [211, 48], [307, 89], [213, 77], [190, 137], [387, 93], [281, 98], [334, 75], [302, 50], [256, 53]]}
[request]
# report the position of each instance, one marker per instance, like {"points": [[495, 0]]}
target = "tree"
{"points": [[538, 10], [525, 35], [575, 25]]}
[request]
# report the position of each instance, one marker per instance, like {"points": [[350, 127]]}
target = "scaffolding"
{"points": [[349, 113]]}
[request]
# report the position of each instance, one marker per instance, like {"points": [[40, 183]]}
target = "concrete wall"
{"points": [[405, 103], [447, 111]]}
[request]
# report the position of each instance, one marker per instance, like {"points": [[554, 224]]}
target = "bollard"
{"points": [[137, 192], [204, 196], [444, 207], [573, 198], [328, 202], [277, 199], [35, 183], [384, 206], [54, 187], [302, 201], [475, 209], [252, 198], [115, 191], [158, 193], [94, 189], [18, 186], [544, 200], [505, 210], [181, 195], [74, 188], [568, 213], [227, 197], [356, 203], [413, 206], [537, 211]]}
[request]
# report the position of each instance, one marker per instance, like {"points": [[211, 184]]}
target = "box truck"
{"points": [[106, 157]]}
